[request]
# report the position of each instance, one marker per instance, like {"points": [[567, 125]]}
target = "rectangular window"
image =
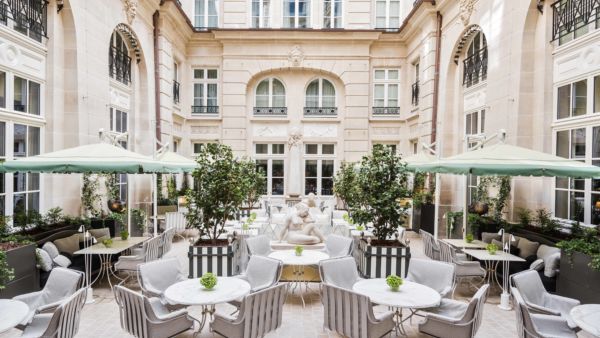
{"points": [[270, 159], [597, 94], [119, 124], [474, 124], [27, 96], [389, 146], [572, 100], [386, 88], [26, 186], [205, 15], [261, 10], [414, 146], [2, 90], [205, 91], [319, 168], [387, 14], [332, 14], [296, 13]]}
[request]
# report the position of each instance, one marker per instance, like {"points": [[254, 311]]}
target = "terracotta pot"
{"points": [[479, 208], [115, 205]]}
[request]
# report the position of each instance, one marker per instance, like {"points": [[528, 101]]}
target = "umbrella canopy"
{"points": [[509, 160], [91, 158], [177, 162], [418, 159]]}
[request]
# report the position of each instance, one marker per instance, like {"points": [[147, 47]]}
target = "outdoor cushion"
{"points": [[43, 259], [527, 248], [515, 240], [100, 234], [487, 237], [537, 265], [551, 264], [51, 249], [68, 244], [61, 260]]}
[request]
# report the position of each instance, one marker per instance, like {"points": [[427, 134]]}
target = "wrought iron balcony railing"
{"points": [[119, 65], [475, 67], [270, 111], [570, 15], [175, 91], [415, 94], [386, 111], [30, 17], [320, 111], [205, 110]]}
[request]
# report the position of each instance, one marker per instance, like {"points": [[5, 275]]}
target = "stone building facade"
{"points": [[337, 76]]}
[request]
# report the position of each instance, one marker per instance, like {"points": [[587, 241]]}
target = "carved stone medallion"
{"points": [[296, 56], [130, 7], [466, 9]]}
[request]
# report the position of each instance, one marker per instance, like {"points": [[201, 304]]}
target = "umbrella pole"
{"points": [[465, 206], [154, 203], [129, 202], [437, 206]]}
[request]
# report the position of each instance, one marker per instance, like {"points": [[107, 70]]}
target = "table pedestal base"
{"points": [[297, 281], [207, 310]]}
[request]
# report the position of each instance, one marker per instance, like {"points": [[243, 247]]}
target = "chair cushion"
{"points": [[546, 250], [527, 248], [551, 264], [68, 244], [51, 249], [450, 308], [44, 261], [100, 234], [537, 265], [487, 237], [129, 264], [38, 326], [61, 260]]}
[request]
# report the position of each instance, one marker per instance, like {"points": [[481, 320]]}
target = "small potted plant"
{"points": [[124, 234], [298, 249], [246, 225], [491, 248], [108, 242], [394, 282], [208, 280], [469, 238]]}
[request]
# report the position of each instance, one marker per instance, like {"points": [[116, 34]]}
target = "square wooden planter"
{"points": [[381, 261], [220, 260]]}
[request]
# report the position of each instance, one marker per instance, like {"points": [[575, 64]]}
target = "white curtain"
{"points": [[278, 94], [328, 94], [262, 94], [312, 94]]}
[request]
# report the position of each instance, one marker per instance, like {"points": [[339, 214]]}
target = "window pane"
{"points": [[277, 186], [278, 148], [198, 147], [380, 74], [198, 94], [595, 207], [327, 168], [211, 99], [392, 74], [19, 141], [596, 94], [33, 183], [33, 138], [310, 169], [379, 92], [19, 181], [562, 143], [577, 206], [312, 94], [393, 91], [277, 168], [2, 143], [211, 73], [580, 98], [278, 88], [564, 99], [198, 73], [328, 149], [327, 186], [34, 98], [561, 204], [19, 203], [262, 148], [2, 95], [578, 143], [20, 95], [311, 149], [310, 185]]}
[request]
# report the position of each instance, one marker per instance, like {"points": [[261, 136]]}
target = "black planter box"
{"points": [[220, 260], [113, 226], [22, 261], [381, 261], [577, 280], [423, 218]]}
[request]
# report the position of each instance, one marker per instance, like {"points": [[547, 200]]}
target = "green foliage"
{"points": [[6, 272], [421, 195], [469, 238], [108, 242], [588, 244], [344, 184], [524, 216], [111, 183], [374, 192], [543, 219], [220, 190], [298, 249], [171, 188], [124, 234], [253, 180], [90, 197], [491, 248], [497, 203], [54, 216], [394, 282], [184, 185], [138, 217], [4, 224], [120, 218], [208, 280], [28, 219]]}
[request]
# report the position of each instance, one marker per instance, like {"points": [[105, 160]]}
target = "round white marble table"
{"points": [[411, 296], [587, 317], [190, 292], [12, 312], [298, 264]]}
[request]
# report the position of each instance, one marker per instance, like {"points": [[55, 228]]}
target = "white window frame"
{"points": [[27, 94], [263, 22], [480, 112], [320, 94], [11, 193], [206, 15], [319, 157], [205, 81], [122, 179], [270, 94], [386, 82], [270, 157], [296, 14], [334, 20], [387, 15]]}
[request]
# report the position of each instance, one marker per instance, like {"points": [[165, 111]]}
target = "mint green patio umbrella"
{"points": [[177, 163]]}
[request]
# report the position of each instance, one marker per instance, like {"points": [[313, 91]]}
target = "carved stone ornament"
{"points": [[295, 138], [296, 56], [466, 9], [130, 7]]}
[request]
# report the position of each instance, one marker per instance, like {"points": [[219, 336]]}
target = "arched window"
{"points": [[119, 61], [270, 93], [320, 93], [475, 63]]}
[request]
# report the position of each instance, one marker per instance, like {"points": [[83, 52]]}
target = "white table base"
{"points": [[298, 279]]}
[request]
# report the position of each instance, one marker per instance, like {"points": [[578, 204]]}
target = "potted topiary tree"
{"points": [[379, 184], [222, 184]]}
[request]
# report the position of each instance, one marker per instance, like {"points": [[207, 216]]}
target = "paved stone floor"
{"points": [[101, 319]]}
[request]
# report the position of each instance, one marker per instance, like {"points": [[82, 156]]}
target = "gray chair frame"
{"points": [[448, 255], [150, 252], [526, 321], [430, 245], [257, 244], [342, 264]]}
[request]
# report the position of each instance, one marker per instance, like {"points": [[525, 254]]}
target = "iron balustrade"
{"points": [[270, 111], [175, 91], [570, 15], [386, 111], [119, 65], [415, 94], [475, 67], [207, 110], [320, 111], [30, 16]]}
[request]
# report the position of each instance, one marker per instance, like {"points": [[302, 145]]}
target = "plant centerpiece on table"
{"points": [[249, 221], [107, 242], [208, 280], [298, 250], [222, 184], [394, 282], [373, 192], [469, 238], [491, 248], [124, 235]]}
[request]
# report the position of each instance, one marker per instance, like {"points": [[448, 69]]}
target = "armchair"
{"points": [[150, 252], [259, 245], [340, 272], [338, 246], [156, 276], [536, 325], [430, 245], [437, 275]]}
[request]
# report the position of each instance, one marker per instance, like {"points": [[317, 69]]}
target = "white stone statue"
{"points": [[300, 228]]}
